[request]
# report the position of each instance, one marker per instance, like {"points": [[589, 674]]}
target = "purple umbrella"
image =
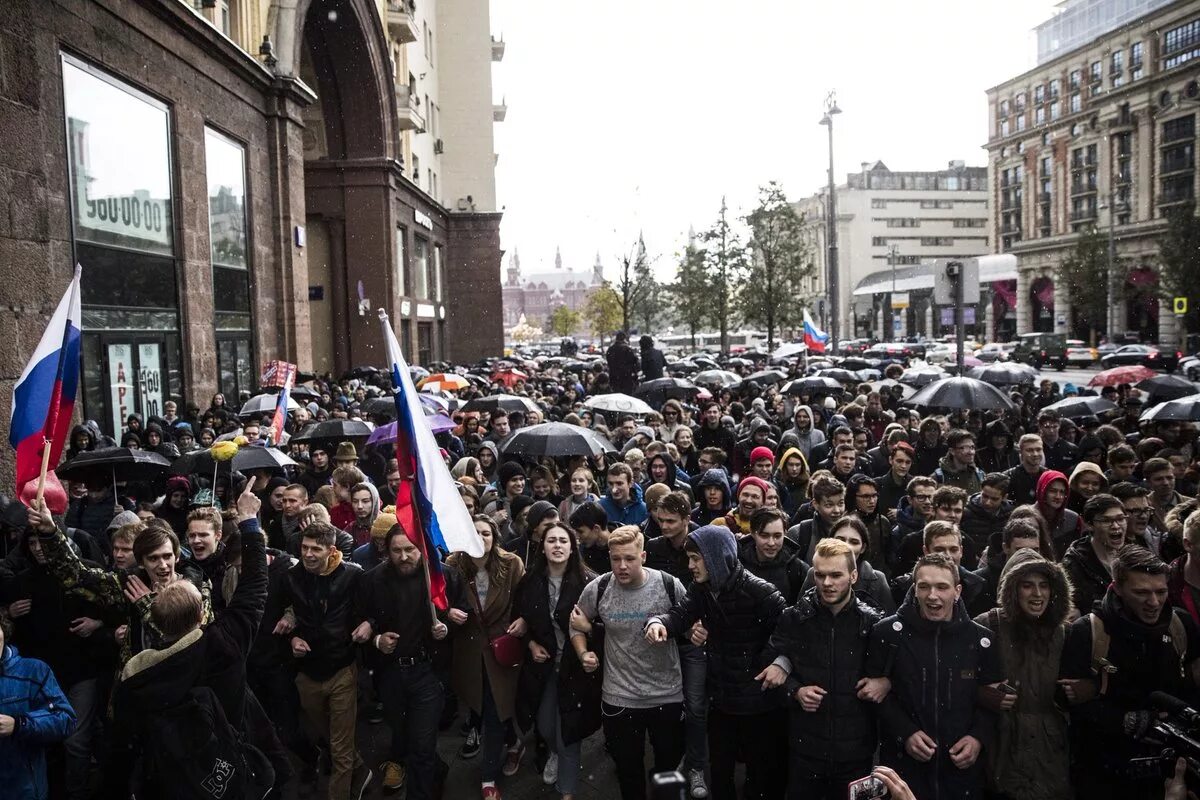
{"points": [[438, 423]]}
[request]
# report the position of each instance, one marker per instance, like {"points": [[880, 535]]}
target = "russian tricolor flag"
{"points": [[437, 517], [814, 337], [280, 417], [44, 396]]}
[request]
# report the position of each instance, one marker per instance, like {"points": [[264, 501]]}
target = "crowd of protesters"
{"points": [[820, 588]]}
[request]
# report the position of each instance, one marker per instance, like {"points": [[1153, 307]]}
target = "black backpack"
{"points": [[191, 752]]}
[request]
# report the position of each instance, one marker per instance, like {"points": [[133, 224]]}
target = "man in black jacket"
{"points": [[738, 612], [986, 511], [394, 599], [325, 627], [653, 362], [932, 731], [1023, 478], [711, 433], [820, 649], [622, 364]]}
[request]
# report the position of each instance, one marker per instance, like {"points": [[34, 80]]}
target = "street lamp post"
{"points": [[1110, 289], [831, 108]]}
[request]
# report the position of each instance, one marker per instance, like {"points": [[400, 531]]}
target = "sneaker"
{"points": [[550, 771], [393, 776], [491, 793], [359, 781], [375, 714], [470, 746], [696, 785], [512, 759]]}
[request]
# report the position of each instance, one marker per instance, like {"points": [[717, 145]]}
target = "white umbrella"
{"points": [[618, 403], [265, 404], [789, 349]]}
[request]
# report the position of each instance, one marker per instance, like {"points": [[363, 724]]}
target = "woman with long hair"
{"points": [[553, 688], [872, 586], [487, 687]]}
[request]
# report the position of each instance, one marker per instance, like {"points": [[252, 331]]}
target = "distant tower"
{"points": [[514, 269], [557, 258], [691, 235], [598, 270]]}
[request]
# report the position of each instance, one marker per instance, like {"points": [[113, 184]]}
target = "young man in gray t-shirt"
{"points": [[643, 688]]}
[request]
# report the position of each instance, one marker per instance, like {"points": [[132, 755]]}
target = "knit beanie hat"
{"points": [[383, 523], [508, 470], [538, 512], [752, 480], [760, 454]]}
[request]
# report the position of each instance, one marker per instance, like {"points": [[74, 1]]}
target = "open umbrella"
{"points": [[114, 464], [1076, 407], [789, 349], [555, 439], [509, 402], [922, 376], [718, 378], [1167, 387], [889, 385], [252, 457], [660, 390], [264, 404], [1181, 409], [618, 403], [814, 385], [854, 364], [509, 377], [1005, 373], [960, 393], [767, 376], [334, 430], [301, 391], [839, 374], [1118, 375], [438, 423], [379, 407], [443, 382]]}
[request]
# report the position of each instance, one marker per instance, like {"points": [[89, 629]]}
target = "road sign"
{"points": [[943, 287], [899, 299], [1180, 305]]}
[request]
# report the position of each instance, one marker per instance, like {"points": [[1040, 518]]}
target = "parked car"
{"points": [[940, 352], [1190, 367], [895, 351], [1144, 354], [1041, 349], [853, 347], [995, 351], [1079, 354]]}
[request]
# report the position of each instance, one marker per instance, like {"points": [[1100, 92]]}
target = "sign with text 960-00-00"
{"points": [[136, 215]]}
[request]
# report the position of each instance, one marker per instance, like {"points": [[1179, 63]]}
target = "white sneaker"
{"points": [[550, 771], [696, 785]]}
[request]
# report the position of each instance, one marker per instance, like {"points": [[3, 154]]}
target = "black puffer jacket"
{"points": [[739, 620], [785, 572], [936, 669], [831, 652], [978, 524], [1089, 578], [325, 611]]}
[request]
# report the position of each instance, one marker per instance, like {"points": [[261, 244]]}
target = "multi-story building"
{"points": [[243, 181], [536, 295], [1100, 135], [895, 225]]}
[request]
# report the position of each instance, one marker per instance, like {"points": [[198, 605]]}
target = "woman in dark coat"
{"points": [[553, 688], [872, 586]]}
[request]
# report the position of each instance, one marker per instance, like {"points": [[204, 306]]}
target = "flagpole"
{"points": [[41, 492]]}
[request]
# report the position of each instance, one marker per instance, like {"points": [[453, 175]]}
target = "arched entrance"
{"points": [[1141, 301], [1004, 309], [1041, 305]]}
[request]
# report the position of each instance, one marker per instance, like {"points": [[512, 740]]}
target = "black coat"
{"points": [[578, 691], [978, 524], [973, 595], [936, 669], [326, 614], [653, 363], [622, 368], [740, 619], [1089, 578], [786, 571], [1022, 487], [831, 652]]}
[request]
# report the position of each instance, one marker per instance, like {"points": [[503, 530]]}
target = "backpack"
{"points": [[191, 748], [1101, 640]]}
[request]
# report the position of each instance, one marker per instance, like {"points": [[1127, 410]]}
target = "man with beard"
{"points": [[1023, 478], [394, 600], [1140, 528], [319, 471], [1028, 630], [819, 651], [711, 433], [932, 730], [1132, 644], [957, 467]]}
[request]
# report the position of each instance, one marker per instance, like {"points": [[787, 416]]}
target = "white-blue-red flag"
{"points": [[44, 396], [281, 406], [439, 517], [814, 337]]}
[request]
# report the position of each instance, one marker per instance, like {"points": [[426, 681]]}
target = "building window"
{"points": [[1004, 129], [970, 223], [1055, 110], [1004, 108], [1054, 84], [225, 166], [420, 268], [1096, 78], [1136, 59], [1083, 186], [424, 342], [879, 241], [416, 170], [1177, 161], [1117, 68], [1011, 197], [937, 241], [1039, 94], [1046, 183], [1020, 124], [1181, 44], [903, 222], [439, 274], [401, 264], [937, 204], [1039, 115], [1076, 103], [878, 202], [1075, 78], [1019, 101]]}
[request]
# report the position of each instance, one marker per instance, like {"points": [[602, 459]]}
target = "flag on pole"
{"points": [[440, 518], [44, 396], [280, 417], [814, 337]]}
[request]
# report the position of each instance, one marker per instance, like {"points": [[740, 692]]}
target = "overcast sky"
{"points": [[640, 114]]}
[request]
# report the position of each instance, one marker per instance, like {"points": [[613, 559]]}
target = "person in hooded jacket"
{"points": [[791, 480], [930, 448], [862, 500], [712, 496], [622, 364], [1029, 758], [768, 553], [1063, 523], [932, 729], [1087, 480], [94, 510], [661, 468], [174, 507], [758, 435], [804, 430], [913, 511], [819, 652], [997, 453], [82, 440], [737, 611], [1017, 533], [156, 441]]}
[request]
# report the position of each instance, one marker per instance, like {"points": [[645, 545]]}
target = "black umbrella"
{"points": [[248, 458], [960, 393], [555, 439], [889, 385], [815, 385], [767, 376], [1167, 387], [334, 430], [379, 407], [1182, 409], [114, 464], [1004, 373], [854, 363], [509, 402], [922, 377], [1076, 407], [660, 390], [301, 391], [717, 378], [839, 374], [264, 404], [361, 373]]}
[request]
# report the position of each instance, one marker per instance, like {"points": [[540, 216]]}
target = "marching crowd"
{"points": [[818, 587]]}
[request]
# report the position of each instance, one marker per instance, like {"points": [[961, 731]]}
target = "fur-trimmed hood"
{"points": [[1022, 563]]}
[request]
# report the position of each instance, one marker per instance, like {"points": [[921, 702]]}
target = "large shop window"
{"points": [[420, 268], [120, 185], [225, 161]]}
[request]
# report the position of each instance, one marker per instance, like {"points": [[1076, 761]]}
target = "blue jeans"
{"points": [[549, 725], [412, 702], [693, 663]]}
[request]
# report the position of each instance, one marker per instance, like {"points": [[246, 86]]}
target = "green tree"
{"points": [[602, 310], [1085, 275], [779, 264], [725, 262], [692, 292], [563, 321], [636, 287], [1179, 260]]}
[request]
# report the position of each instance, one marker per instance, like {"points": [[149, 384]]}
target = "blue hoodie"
{"points": [[633, 514], [30, 695], [702, 514], [718, 548]]}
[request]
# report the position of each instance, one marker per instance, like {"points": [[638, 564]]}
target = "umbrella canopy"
{"points": [[443, 382], [618, 403], [250, 458], [301, 391], [1181, 409], [555, 439], [1005, 373], [659, 390], [839, 374], [1167, 387], [379, 407], [719, 378], [1119, 375], [767, 376], [114, 464], [889, 385], [334, 430], [789, 349], [509, 402], [438, 423], [854, 364], [960, 393], [509, 377], [1076, 407], [815, 385], [264, 404], [922, 377]]}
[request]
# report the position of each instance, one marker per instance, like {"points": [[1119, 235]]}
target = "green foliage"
{"points": [[1085, 275], [603, 311], [691, 295], [725, 263], [1179, 259], [563, 321], [778, 266]]}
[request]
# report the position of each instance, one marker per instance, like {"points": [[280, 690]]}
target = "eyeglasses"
{"points": [[1138, 512], [925, 498], [1111, 521]]}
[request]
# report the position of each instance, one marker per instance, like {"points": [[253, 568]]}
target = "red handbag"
{"points": [[507, 650]]}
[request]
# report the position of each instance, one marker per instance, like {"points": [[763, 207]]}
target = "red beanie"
{"points": [[752, 481], [760, 454]]}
